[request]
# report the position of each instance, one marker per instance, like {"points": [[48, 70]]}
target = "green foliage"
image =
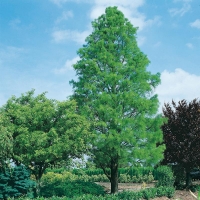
{"points": [[147, 193], [15, 182], [6, 145], [114, 91], [70, 189], [180, 176], [165, 177], [44, 131], [126, 178], [127, 195]]}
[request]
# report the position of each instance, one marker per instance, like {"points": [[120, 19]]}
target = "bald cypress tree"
{"points": [[115, 92]]}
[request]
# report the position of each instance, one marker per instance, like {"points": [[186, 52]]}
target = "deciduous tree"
{"points": [[44, 131], [115, 92], [182, 135], [6, 143]]}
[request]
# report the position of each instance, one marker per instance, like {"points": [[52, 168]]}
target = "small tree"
{"points": [[15, 182], [115, 92], [182, 135], [44, 131]]}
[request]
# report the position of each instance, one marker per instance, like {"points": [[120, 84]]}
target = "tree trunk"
{"points": [[114, 177], [188, 179]]}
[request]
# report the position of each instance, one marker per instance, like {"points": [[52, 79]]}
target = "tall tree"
{"points": [[182, 135], [44, 131], [115, 92]]}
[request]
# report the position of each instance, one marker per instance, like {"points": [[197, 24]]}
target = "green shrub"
{"points": [[71, 189], [169, 192], [126, 195], [124, 178], [165, 177], [149, 193], [15, 182], [180, 175]]}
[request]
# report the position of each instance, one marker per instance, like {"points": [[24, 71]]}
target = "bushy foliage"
{"points": [[165, 177], [133, 171], [127, 195], [15, 182], [71, 189], [147, 193], [179, 175], [126, 178]]}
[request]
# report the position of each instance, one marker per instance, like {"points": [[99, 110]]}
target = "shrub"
{"points": [[165, 176], [179, 174], [15, 182], [149, 193], [71, 189], [124, 178]]}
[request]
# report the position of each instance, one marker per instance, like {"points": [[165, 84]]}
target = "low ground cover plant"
{"points": [[127, 195]]}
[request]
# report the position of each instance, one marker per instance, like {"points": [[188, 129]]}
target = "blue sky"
{"points": [[39, 40]]}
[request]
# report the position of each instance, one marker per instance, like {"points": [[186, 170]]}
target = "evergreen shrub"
{"points": [[165, 177], [15, 182]]}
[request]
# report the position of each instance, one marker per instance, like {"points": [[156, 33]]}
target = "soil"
{"points": [[179, 194]]}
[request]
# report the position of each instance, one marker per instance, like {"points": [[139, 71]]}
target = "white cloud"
{"points": [[178, 85], [126, 3], [195, 24], [128, 7], [185, 1], [69, 35], [130, 10], [60, 2], [180, 11], [65, 16], [67, 67], [190, 45]]}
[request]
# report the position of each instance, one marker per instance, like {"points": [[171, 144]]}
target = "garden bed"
{"points": [[179, 194]]}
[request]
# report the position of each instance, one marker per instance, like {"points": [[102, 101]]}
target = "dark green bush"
{"points": [[165, 177], [180, 175], [71, 189], [15, 182]]}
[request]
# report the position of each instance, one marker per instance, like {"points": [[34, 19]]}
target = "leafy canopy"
{"points": [[115, 92], [182, 133], [44, 131]]}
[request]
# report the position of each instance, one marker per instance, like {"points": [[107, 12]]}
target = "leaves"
{"points": [[182, 133], [44, 131], [114, 91]]}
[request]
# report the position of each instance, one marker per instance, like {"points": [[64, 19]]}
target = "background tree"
{"points": [[5, 144], [182, 135], [114, 91], [44, 131]]}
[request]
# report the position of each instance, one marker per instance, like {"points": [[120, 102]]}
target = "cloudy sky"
{"points": [[39, 40]]}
